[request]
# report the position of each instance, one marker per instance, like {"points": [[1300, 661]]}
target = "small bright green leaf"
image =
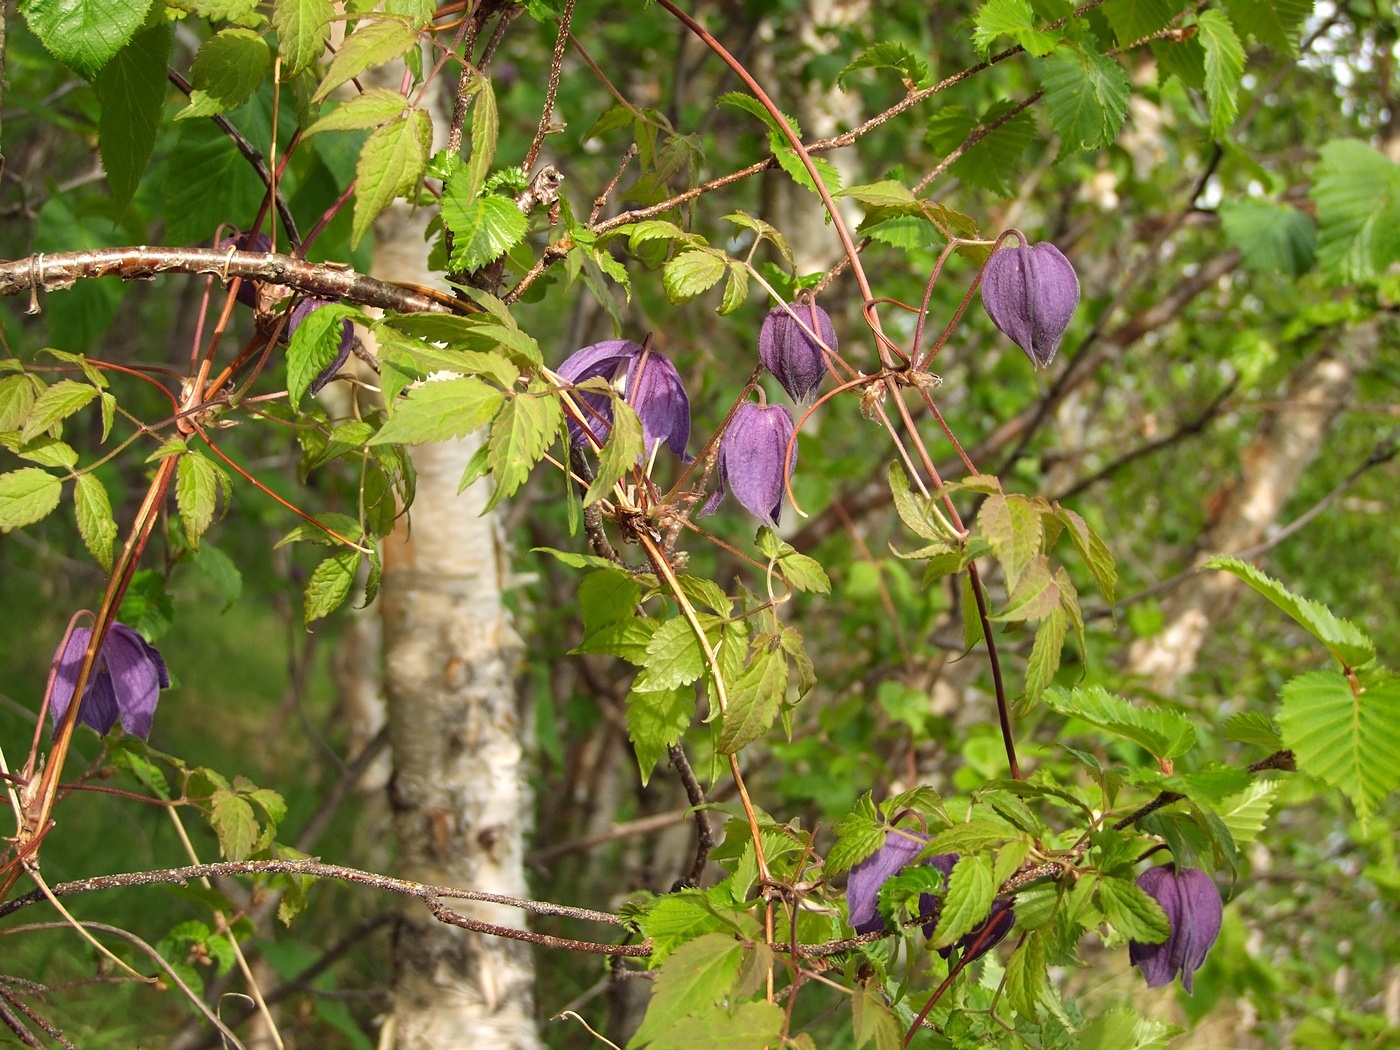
{"points": [[375, 106], [620, 454], [17, 396], [27, 495], [736, 288], [197, 485], [48, 452], [692, 272], [1357, 193], [440, 410], [754, 700], [1224, 64], [1348, 739], [227, 70], [486, 125], [1275, 23], [1086, 94], [483, 228], [234, 823], [608, 596], [674, 657], [330, 584], [655, 721], [1013, 527], [1125, 1029], [375, 42], [303, 27], [96, 525], [874, 1022], [1132, 911], [131, 90], [1013, 18], [1132, 20], [391, 165], [1246, 813], [55, 404], [676, 919], [1270, 236], [1092, 549], [1166, 734], [697, 974], [888, 54], [1044, 660], [520, 433], [1344, 639], [85, 34], [919, 512], [968, 901], [1036, 595], [314, 347], [1027, 977], [1252, 727]]}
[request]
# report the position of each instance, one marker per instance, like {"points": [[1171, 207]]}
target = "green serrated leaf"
{"points": [[1133, 20], [1345, 737], [699, 973], [1013, 527], [391, 165], [486, 125], [692, 272], [674, 658], [1086, 94], [1275, 23], [1092, 549], [96, 525], [54, 405], [27, 495], [919, 512], [520, 433], [754, 700], [303, 28], [1246, 813], [375, 42], [197, 485], [48, 452], [1343, 639], [675, 919], [1125, 1029], [131, 90], [330, 584], [1253, 727], [1013, 18], [314, 347], [874, 1022], [1224, 64], [17, 396], [1270, 236], [1044, 660], [621, 452], [888, 54], [1357, 193], [1166, 734], [1132, 911], [968, 901], [85, 34], [375, 106], [1027, 974], [233, 822], [227, 69], [656, 720], [483, 228], [441, 410]]}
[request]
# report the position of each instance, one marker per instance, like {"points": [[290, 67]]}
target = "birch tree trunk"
{"points": [[458, 792]]}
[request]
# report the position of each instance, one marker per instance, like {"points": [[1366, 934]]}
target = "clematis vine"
{"points": [[124, 685], [794, 357], [1030, 292], [1194, 912], [867, 877], [647, 381], [751, 455]]}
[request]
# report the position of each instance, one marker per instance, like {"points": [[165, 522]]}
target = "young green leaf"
{"points": [[131, 90], [655, 721], [227, 69], [674, 657], [1357, 193], [486, 125], [375, 106], [234, 823], [96, 525], [375, 42], [1164, 733], [483, 228], [330, 584], [754, 700], [1132, 911], [441, 410], [1224, 64], [1270, 236], [83, 34], [692, 272], [522, 430], [197, 485], [620, 454], [27, 495], [971, 891], [1013, 18], [54, 405], [1044, 660], [697, 974], [1348, 737], [1013, 527], [303, 28], [888, 54], [314, 346], [391, 165], [1086, 94]]}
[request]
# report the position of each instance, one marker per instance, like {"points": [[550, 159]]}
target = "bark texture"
{"points": [[458, 791]]}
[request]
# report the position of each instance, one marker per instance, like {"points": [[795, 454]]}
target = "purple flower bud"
{"points": [[125, 682], [1192, 904], [300, 312], [863, 886], [1030, 293], [751, 455], [648, 382], [867, 877], [794, 357]]}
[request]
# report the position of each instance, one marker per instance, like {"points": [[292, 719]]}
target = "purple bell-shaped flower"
{"points": [[646, 379], [125, 682], [751, 455], [1030, 293], [794, 357], [1192, 904]]}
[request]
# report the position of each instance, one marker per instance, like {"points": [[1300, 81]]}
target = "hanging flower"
{"points": [[647, 381], [1192, 904], [1030, 293], [124, 685], [794, 357], [751, 455]]}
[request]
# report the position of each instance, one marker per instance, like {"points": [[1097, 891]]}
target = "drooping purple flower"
{"points": [[125, 682], [1192, 904], [867, 877], [794, 357], [1030, 293], [863, 886], [751, 455], [300, 312], [647, 381]]}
